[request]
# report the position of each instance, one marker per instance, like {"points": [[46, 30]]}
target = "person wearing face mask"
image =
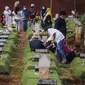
{"points": [[7, 14], [60, 23], [25, 15]]}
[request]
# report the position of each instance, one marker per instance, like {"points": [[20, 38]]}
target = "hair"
{"points": [[16, 10], [62, 12]]}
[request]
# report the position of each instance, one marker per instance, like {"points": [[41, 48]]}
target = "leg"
{"points": [[60, 50]]}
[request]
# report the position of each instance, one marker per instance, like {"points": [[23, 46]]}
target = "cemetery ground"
{"points": [[64, 70], [14, 77]]}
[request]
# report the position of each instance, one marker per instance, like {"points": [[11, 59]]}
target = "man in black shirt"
{"points": [[60, 23]]}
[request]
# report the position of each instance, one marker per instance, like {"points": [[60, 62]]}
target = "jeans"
{"points": [[60, 51], [18, 23], [25, 25]]}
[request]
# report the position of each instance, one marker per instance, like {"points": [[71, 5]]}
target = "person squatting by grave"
{"points": [[36, 42]]}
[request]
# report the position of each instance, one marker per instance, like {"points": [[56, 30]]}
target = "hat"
{"points": [[32, 5], [36, 35], [49, 39]]}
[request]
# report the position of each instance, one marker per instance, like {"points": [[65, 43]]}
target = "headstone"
{"points": [[2, 44], [3, 36], [44, 61], [36, 68], [82, 56], [3, 40], [44, 38], [0, 50], [41, 50], [47, 82], [36, 58], [4, 32]]}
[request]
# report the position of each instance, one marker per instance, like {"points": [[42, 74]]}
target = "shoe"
{"points": [[64, 61]]}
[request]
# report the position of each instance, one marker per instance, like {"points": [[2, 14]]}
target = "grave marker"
{"points": [[3, 40], [3, 36], [82, 56]]}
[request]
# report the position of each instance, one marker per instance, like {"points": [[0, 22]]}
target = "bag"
{"points": [[70, 56]]}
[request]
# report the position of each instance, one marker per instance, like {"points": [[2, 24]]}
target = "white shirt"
{"points": [[59, 35], [18, 15]]}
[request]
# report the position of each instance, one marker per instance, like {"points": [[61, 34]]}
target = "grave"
{"points": [[3, 36], [3, 40], [82, 56], [2, 44], [44, 67]]}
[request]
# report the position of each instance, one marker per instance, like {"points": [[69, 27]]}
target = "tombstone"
{"points": [[36, 58], [0, 50], [47, 82], [4, 32], [2, 44], [3, 40], [84, 38], [3, 36], [44, 38], [82, 56], [36, 68], [41, 50], [44, 67]]}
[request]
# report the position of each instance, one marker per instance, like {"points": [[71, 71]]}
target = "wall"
{"points": [[68, 5]]}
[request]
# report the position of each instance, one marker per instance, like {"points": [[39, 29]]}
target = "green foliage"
{"points": [[82, 19], [4, 67], [70, 28], [77, 68]]}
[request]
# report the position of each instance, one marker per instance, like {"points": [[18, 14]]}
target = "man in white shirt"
{"points": [[58, 38]]}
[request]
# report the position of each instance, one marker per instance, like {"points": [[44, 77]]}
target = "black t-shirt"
{"points": [[60, 25]]}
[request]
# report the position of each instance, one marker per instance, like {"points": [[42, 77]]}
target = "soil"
{"points": [[14, 78]]}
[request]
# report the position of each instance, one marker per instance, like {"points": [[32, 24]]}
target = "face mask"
{"points": [[24, 8]]}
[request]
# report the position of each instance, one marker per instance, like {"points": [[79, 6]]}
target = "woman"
{"points": [[48, 19], [17, 15]]}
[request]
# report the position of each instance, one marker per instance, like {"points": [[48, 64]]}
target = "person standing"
{"points": [[48, 19], [60, 23], [25, 15], [17, 15], [7, 14], [32, 13]]}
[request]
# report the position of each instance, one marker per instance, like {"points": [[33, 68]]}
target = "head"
{"points": [[36, 35], [62, 14], [48, 10], [6, 8], [24, 8], [32, 5]]}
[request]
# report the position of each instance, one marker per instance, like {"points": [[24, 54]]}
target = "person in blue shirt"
{"points": [[25, 15]]}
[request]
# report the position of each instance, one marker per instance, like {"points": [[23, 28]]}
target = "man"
{"points": [[60, 23], [58, 38], [32, 13], [25, 15]]}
